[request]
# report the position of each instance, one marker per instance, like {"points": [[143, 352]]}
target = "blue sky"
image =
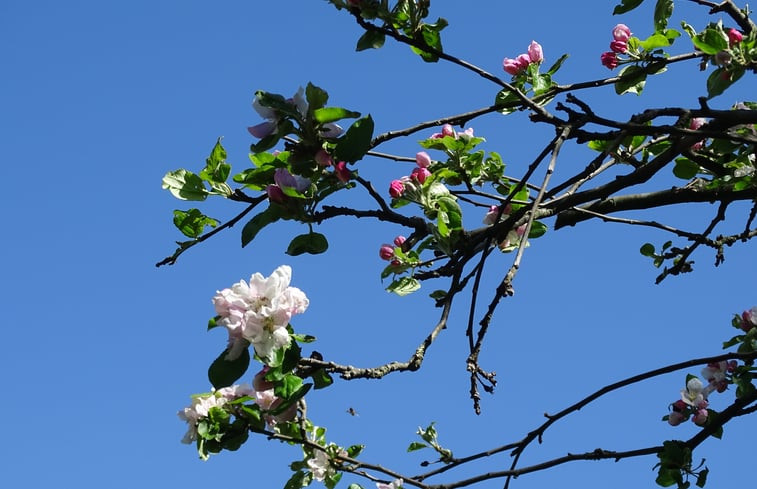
{"points": [[100, 99]]}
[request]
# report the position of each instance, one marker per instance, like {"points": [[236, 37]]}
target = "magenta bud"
{"points": [[323, 158], [420, 174], [734, 37], [275, 194], [609, 59], [448, 130], [342, 172], [396, 188], [619, 46], [386, 252], [399, 240]]}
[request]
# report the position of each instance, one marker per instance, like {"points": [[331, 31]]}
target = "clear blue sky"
{"points": [[100, 99]]}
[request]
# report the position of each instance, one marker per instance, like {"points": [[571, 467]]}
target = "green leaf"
{"points": [[537, 229], [370, 40], [192, 222], [312, 243], [355, 450], [557, 64], [356, 141], [404, 286], [254, 225], [416, 445], [626, 6], [216, 169], [223, 373], [685, 169], [647, 249], [429, 35], [438, 295], [316, 97], [185, 185], [321, 379], [711, 41], [654, 41], [632, 80], [720, 79], [287, 386], [508, 101], [662, 12], [298, 480], [331, 114]]}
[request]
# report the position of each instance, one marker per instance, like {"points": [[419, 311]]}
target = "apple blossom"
{"points": [[259, 311], [284, 179], [621, 32], [511, 66], [695, 393], [535, 52], [275, 194], [715, 374], [491, 216], [399, 240], [422, 159], [198, 410], [330, 130], [259, 383], [263, 129]]}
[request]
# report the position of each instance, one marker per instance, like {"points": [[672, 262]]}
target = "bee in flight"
{"points": [[351, 411]]}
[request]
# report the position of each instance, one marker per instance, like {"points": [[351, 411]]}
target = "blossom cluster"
{"points": [[619, 44], [258, 312], [261, 392], [694, 398], [749, 319], [517, 65], [419, 174], [386, 251]]}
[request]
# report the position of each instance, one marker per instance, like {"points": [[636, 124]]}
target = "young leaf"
{"points": [[416, 445], [332, 114], [685, 169], [404, 286], [192, 222], [316, 97], [185, 185]]}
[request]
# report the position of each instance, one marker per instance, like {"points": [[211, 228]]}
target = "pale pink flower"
{"points": [[395, 484]]}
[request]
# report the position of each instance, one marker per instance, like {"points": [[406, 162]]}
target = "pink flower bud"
{"points": [[323, 158], [275, 194], [609, 59], [732, 365], [523, 60], [696, 123], [342, 172], [734, 37], [679, 406], [511, 66], [619, 46], [448, 130], [399, 240], [263, 129], [675, 418], [386, 252], [420, 174], [700, 417], [535, 52], [396, 188], [621, 32], [422, 159]]}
